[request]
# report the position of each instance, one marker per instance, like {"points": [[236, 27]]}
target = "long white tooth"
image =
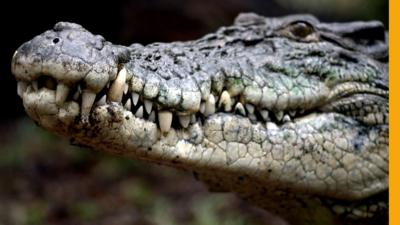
{"points": [[210, 105], [117, 87], [240, 109], [128, 105], [62, 91], [271, 126], [88, 98], [148, 105], [35, 85], [139, 112], [265, 114], [135, 98], [102, 101], [250, 108], [126, 88], [184, 120], [165, 120], [202, 107], [152, 116], [286, 118], [225, 101], [279, 115], [21, 88]]}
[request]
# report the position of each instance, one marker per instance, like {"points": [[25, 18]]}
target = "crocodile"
{"points": [[289, 113]]}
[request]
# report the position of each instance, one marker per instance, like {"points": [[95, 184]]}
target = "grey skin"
{"points": [[289, 113]]}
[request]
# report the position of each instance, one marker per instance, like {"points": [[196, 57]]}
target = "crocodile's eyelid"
{"points": [[301, 29]]}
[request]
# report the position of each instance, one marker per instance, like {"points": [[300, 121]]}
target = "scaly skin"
{"points": [[290, 113]]}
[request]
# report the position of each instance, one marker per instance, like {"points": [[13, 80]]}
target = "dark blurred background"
{"points": [[43, 180]]}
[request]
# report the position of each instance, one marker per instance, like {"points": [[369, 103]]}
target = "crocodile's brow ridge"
{"points": [[290, 113]]}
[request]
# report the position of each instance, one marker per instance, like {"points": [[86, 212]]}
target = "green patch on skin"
{"points": [[331, 79]]}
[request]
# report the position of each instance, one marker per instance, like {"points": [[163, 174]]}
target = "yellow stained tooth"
{"points": [[62, 91], [116, 90], [165, 120], [225, 101], [209, 108], [88, 98], [126, 88]]}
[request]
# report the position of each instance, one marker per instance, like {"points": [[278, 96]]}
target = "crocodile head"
{"points": [[284, 111]]}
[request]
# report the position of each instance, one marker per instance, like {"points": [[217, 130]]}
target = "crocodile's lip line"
{"points": [[117, 91]]}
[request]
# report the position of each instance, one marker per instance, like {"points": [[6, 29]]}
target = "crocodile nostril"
{"points": [[56, 40]]}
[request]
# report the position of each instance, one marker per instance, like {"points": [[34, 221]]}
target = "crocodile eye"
{"points": [[301, 29]]}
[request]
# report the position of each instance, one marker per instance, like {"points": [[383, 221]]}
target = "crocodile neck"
{"points": [[290, 113]]}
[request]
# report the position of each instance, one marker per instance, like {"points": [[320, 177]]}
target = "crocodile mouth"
{"points": [[346, 103]]}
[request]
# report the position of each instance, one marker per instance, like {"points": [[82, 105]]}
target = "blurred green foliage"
{"points": [[45, 180]]}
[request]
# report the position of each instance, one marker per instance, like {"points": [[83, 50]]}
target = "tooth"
{"points": [[286, 118], [252, 117], [279, 115], [193, 119], [148, 105], [292, 113], [165, 120], [271, 126], [88, 98], [126, 88], [210, 106], [202, 107], [139, 112], [152, 116], [135, 98], [250, 108], [239, 109], [62, 91], [77, 93], [265, 114], [102, 101], [184, 120], [117, 87], [128, 105], [35, 85], [226, 101], [21, 88]]}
